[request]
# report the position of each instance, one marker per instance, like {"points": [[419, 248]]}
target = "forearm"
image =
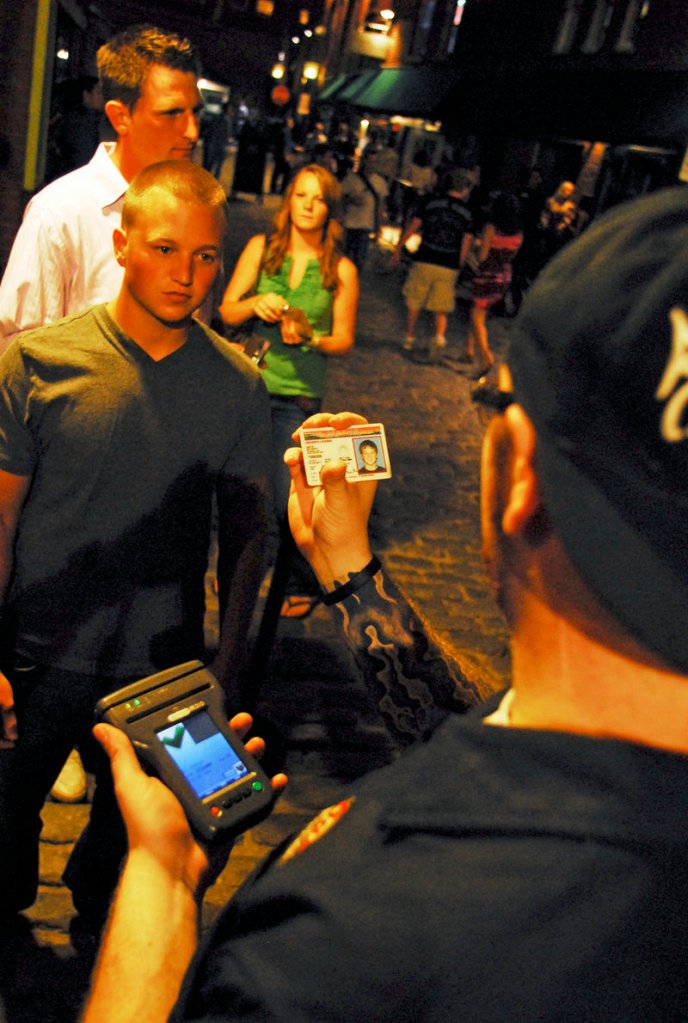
{"points": [[413, 681], [149, 942], [409, 231], [234, 313], [13, 491], [240, 569], [333, 344]]}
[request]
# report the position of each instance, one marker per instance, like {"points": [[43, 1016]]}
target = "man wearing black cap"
{"points": [[529, 861]]}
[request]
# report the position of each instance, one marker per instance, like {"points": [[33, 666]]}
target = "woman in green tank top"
{"points": [[299, 269]]}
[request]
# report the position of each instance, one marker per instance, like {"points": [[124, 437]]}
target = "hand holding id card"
{"points": [[363, 448]]}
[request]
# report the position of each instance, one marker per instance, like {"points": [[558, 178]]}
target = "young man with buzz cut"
{"points": [[528, 860], [62, 260], [118, 427]]}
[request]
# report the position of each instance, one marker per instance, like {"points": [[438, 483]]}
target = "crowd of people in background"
{"points": [[382, 182]]}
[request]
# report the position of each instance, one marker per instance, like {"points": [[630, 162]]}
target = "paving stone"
{"points": [[63, 822], [53, 860], [53, 907]]}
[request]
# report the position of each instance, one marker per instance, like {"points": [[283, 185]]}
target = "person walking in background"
{"points": [[215, 128], [387, 166], [363, 194], [497, 246], [387, 159], [281, 145], [324, 157], [558, 221], [344, 148], [304, 292], [419, 178], [75, 129], [251, 155], [445, 223], [526, 264]]}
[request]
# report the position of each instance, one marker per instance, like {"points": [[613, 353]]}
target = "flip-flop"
{"points": [[299, 606]]}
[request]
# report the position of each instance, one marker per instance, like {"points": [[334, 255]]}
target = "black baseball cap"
{"points": [[599, 361]]}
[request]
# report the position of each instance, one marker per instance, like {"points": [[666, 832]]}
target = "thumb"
{"points": [[119, 749], [333, 477]]}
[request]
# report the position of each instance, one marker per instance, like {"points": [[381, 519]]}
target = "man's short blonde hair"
{"points": [[186, 182]]}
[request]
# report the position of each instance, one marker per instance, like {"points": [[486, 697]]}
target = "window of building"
{"points": [[636, 11], [568, 27], [422, 34], [598, 27], [459, 7]]}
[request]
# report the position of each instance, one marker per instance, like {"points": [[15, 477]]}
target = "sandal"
{"points": [[483, 372], [299, 606]]}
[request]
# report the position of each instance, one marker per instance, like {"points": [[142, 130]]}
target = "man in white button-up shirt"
{"points": [[62, 260]]}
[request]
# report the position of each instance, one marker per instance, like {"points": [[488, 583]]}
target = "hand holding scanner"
{"points": [[176, 722]]}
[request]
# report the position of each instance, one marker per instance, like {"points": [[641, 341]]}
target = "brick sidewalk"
{"points": [[425, 526]]}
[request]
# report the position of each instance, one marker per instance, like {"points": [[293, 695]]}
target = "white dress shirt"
{"points": [[63, 260]]}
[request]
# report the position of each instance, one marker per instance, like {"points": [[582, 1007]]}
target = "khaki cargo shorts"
{"points": [[430, 287]]}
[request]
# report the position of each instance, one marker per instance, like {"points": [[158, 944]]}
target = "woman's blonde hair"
{"points": [[331, 247]]}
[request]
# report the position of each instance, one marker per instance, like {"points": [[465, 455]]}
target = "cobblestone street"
{"points": [[425, 527]]}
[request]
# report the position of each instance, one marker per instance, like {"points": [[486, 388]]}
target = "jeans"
{"points": [[55, 714], [286, 417]]}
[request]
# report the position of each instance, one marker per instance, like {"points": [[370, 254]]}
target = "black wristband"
{"points": [[357, 580]]}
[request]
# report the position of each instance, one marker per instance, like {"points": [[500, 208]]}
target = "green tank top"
{"points": [[297, 369]]}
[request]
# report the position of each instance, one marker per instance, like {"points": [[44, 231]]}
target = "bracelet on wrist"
{"points": [[356, 581]]}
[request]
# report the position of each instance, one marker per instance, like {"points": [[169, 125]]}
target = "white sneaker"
{"points": [[408, 342], [70, 786]]}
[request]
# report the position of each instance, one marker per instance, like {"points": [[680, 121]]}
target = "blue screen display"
{"points": [[202, 754]]}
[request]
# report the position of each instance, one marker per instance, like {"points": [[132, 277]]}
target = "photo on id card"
{"points": [[363, 448]]}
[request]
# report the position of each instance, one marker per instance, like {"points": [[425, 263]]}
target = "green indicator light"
{"points": [[137, 703], [257, 786]]}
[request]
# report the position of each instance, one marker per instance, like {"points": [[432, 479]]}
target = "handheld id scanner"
{"points": [[177, 726]]}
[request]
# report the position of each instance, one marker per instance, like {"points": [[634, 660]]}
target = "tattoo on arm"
{"points": [[414, 683]]}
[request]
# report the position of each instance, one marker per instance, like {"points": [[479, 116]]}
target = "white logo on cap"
{"points": [[676, 370]]}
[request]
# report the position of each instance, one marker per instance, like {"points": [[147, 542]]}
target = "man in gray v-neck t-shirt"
{"points": [[118, 427]]}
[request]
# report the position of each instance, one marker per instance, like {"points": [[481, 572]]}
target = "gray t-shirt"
{"points": [[125, 453]]}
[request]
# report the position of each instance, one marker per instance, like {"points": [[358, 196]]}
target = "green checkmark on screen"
{"points": [[175, 739]]}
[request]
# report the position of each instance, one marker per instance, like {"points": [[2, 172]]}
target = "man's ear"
{"points": [[524, 500], [119, 116], [119, 241]]}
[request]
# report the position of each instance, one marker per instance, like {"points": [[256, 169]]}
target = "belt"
{"points": [[303, 401]]}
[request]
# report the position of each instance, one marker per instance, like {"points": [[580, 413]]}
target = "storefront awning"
{"points": [[329, 93], [408, 92], [356, 84]]}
